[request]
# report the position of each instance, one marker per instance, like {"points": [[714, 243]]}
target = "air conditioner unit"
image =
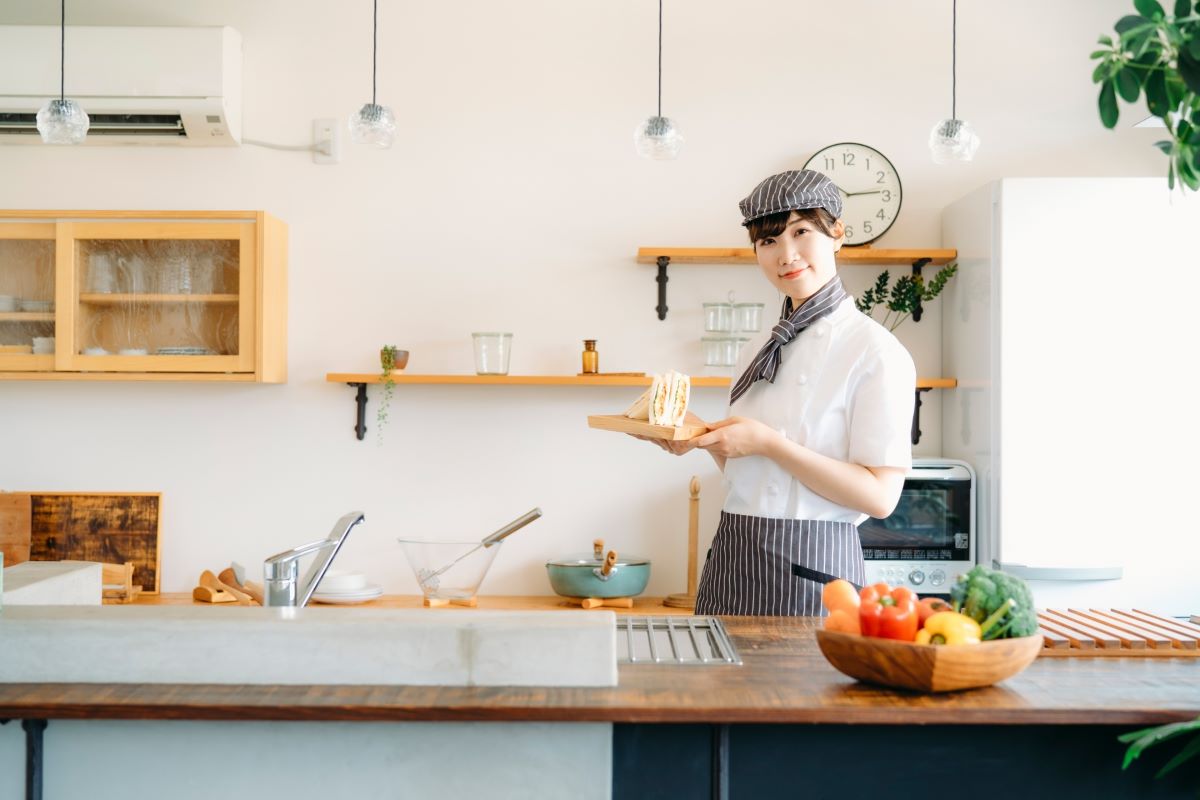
{"points": [[173, 86]]}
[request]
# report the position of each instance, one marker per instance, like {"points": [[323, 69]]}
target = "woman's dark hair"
{"points": [[773, 224]]}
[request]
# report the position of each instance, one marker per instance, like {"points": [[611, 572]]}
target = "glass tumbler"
{"points": [[718, 317], [491, 353], [748, 317], [720, 351]]}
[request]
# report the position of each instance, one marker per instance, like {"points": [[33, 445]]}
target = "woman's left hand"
{"points": [[736, 437]]}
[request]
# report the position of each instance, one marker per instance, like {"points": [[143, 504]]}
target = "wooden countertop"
{"points": [[784, 679]]}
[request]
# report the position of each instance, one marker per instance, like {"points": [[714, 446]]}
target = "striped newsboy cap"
{"points": [[791, 191]]}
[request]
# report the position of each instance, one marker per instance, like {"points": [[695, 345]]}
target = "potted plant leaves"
{"points": [[904, 297], [1159, 55], [390, 358]]}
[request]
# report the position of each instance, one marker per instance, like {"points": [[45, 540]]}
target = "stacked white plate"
{"points": [[345, 588]]}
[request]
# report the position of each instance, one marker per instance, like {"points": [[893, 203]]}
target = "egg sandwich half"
{"points": [[665, 402]]}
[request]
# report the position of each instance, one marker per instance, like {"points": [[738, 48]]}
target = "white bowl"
{"points": [[340, 582]]}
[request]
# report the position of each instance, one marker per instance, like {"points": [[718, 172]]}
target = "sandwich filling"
{"points": [[665, 402]]}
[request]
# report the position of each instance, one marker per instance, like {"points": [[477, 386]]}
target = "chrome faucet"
{"points": [[280, 571]]}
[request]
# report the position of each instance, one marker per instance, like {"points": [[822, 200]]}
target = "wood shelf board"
{"points": [[113, 299], [126, 376], [115, 214], [26, 316], [745, 255], [563, 380]]}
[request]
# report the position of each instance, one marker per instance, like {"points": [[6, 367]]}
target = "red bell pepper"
{"points": [[888, 613]]}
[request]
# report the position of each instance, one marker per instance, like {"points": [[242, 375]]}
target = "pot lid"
{"points": [[590, 561]]}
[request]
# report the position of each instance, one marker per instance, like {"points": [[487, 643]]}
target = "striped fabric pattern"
{"points": [[766, 363], [749, 568], [792, 191]]}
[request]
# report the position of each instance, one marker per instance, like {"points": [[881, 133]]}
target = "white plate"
{"points": [[363, 595]]}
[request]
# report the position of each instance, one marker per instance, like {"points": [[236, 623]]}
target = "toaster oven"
{"points": [[929, 540]]}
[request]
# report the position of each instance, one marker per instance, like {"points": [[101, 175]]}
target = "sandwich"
{"points": [[665, 402]]}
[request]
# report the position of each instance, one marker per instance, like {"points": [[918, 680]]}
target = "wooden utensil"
{"points": [[218, 591], [234, 575], [926, 667], [688, 599], [622, 424], [16, 520]]}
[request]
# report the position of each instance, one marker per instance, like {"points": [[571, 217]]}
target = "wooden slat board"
{"points": [[105, 527], [623, 424], [1116, 632]]}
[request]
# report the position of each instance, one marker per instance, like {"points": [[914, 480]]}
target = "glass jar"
{"points": [[720, 351], [747, 317], [591, 359], [718, 317], [491, 353]]}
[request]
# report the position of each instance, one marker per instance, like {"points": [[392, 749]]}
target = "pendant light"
{"points": [[953, 139], [657, 137], [62, 121], [374, 124]]}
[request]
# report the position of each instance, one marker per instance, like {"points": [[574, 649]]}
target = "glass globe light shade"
{"points": [[373, 124], [62, 122], [953, 140], [657, 138]]}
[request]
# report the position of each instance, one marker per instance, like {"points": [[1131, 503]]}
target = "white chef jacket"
{"points": [[844, 389]]}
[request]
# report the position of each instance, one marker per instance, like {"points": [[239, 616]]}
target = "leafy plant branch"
{"points": [[1159, 56], [387, 363], [903, 298]]}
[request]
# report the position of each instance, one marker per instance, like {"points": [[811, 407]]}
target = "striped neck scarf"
{"points": [[790, 324]]}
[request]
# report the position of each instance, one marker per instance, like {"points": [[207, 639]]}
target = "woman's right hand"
{"points": [[676, 447]]}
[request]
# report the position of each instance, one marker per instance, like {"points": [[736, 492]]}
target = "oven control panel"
{"points": [[933, 577]]}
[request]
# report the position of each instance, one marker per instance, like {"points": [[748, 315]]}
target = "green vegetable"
{"points": [[1001, 603]]}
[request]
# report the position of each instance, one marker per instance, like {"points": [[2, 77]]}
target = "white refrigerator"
{"points": [[1072, 328]]}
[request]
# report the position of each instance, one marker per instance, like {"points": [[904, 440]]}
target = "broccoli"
{"points": [[1001, 603]]}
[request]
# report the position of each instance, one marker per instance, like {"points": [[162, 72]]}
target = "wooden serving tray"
{"points": [[623, 424], [1116, 632]]}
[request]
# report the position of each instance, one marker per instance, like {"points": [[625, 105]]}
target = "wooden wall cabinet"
{"points": [[143, 295]]}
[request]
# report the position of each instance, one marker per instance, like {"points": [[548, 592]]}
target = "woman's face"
{"points": [[800, 260]]}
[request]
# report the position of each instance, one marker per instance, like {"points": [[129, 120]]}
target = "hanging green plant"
{"points": [[1158, 55], [387, 362], [1138, 741], [902, 299]]}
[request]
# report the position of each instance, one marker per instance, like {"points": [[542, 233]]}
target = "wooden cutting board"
{"points": [[623, 424], [1116, 632], [15, 519]]}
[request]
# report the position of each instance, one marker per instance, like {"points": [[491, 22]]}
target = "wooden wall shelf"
{"points": [[865, 255], [360, 380]]}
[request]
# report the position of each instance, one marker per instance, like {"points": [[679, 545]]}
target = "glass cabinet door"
{"points": [[27, 296], [158, 296]]}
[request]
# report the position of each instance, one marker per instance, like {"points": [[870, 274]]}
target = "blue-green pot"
{"points": [[586, 576]]}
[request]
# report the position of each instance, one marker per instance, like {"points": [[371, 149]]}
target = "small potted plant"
{"points": [[905, 297], [390, 358]]}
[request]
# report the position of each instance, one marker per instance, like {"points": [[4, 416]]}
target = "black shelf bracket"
{"points": [[34, 728], [916, 314], [916, 426], [661, 308], [360, 399]]}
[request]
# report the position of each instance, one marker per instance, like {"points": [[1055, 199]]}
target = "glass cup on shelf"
{"points": [[747, 317], [491, 353], [720, 351], [718, 317], [102, 272]]}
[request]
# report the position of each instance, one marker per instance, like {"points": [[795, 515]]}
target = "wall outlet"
{"points": [[327, 141]]}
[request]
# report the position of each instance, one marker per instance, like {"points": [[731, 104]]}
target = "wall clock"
{"points": [[870, 187]]}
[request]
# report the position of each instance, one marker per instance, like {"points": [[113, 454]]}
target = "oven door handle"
{"points": [[1061, 573]]}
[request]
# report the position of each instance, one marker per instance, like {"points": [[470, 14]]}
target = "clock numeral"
{"points": [[849, 231], [879, 214], [881, 176], [887, 195], [866, 226], [868, 165], [848, 159], [828, 163]]}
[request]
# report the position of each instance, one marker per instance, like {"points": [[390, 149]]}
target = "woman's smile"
{"points": [[794, 272]]}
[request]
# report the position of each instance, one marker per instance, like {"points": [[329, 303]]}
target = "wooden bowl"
{"points": [[926, 667]]}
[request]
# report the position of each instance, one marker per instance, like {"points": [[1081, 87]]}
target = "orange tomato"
{"points": [[843, 621], [928, 606], [840, 595]]}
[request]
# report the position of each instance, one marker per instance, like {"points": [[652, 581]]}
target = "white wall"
{"points": [[513, 200]]}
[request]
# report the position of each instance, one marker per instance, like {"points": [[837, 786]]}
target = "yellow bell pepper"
{"points": [[949, 627]]}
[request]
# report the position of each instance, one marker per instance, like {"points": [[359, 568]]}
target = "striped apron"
{"points": [[749, 568]]}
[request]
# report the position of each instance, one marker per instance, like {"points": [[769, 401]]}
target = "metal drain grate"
{"points": [[674, 640]]}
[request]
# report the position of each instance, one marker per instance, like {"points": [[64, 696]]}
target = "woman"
{"points": [[818, 434]]}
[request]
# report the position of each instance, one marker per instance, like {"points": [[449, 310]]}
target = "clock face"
{"points": [[870, 188]]}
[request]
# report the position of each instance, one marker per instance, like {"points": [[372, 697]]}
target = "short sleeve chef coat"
{"points": [[844, 389]]}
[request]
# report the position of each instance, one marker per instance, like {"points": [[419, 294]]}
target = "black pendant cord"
{"points": [[62, 54], [374, 49], [660, 56], [954, 60]]}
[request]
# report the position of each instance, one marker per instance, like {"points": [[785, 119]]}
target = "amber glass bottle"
{"points": [[591, 359]]}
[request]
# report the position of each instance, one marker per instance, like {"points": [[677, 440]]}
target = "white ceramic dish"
{"points": [[342, 582], [364, 595]]}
